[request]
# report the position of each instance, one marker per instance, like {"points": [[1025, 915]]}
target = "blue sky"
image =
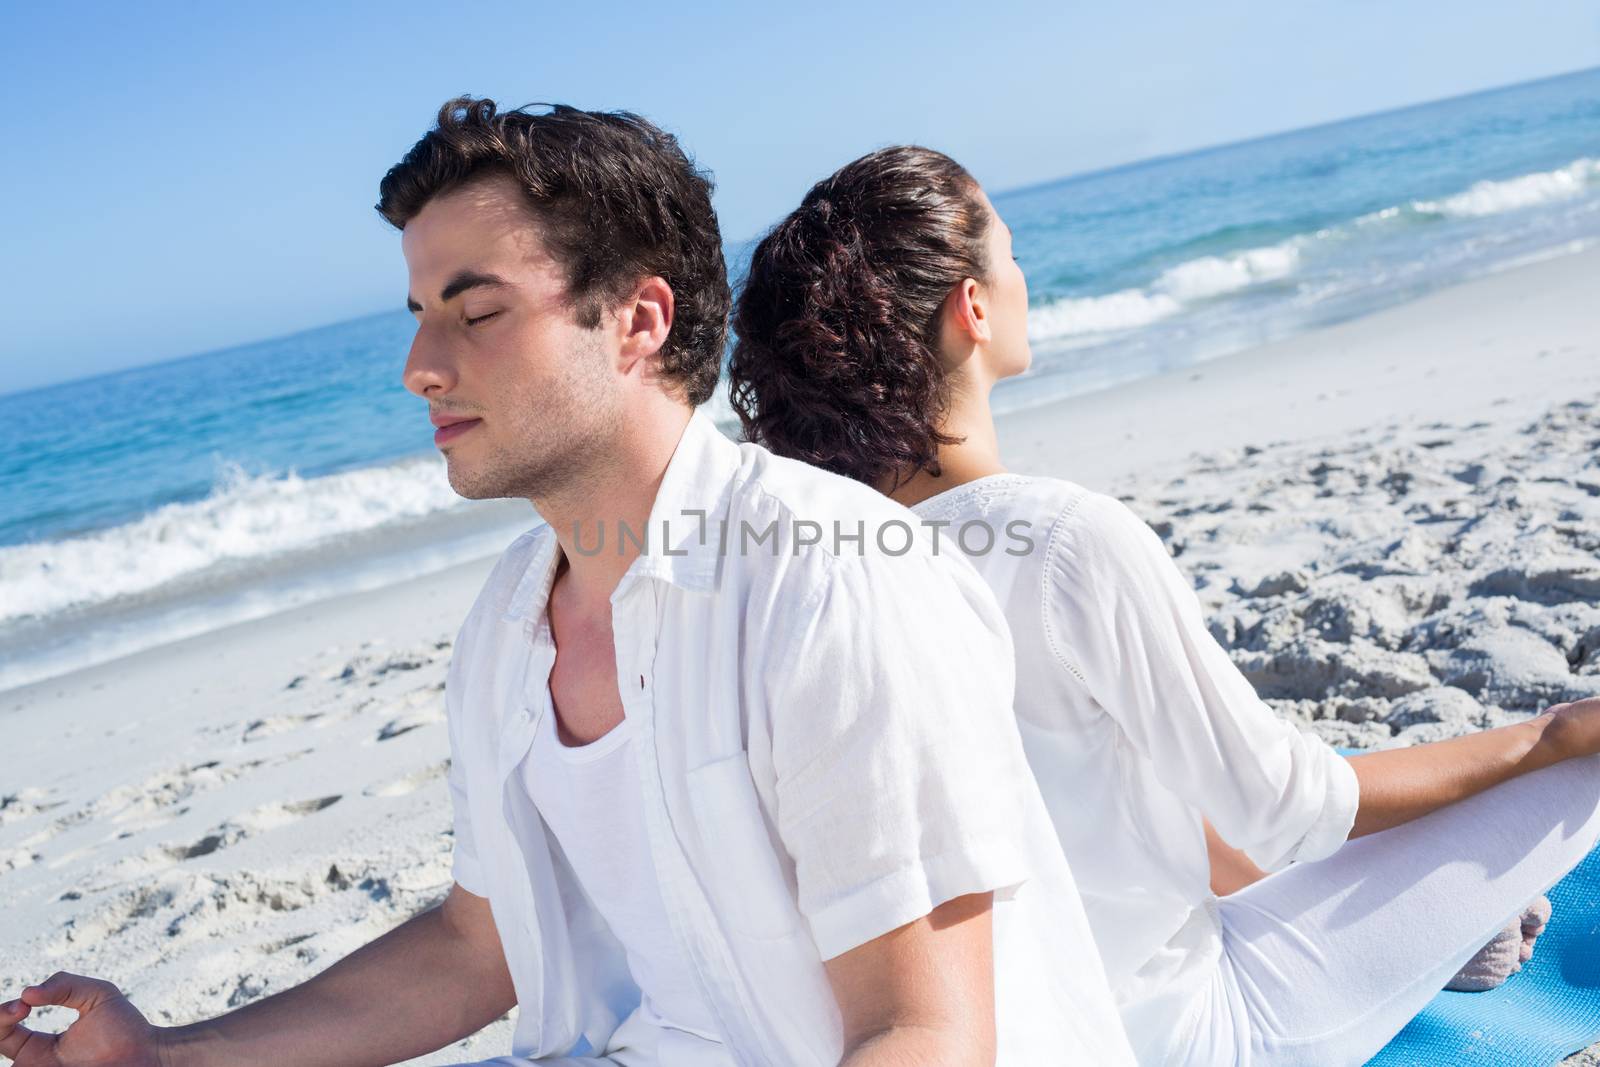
{"points": [[178, 180]]}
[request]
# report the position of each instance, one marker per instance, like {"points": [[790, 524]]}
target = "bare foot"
{"points": [[1505, 953]]}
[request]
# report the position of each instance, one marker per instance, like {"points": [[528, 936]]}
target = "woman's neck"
{"points": [[975, 455]]}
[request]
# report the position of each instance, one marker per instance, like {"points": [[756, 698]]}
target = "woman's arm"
{"points": [[1138, 640], [1231, 870], [1401, 784], [1123, 621]]}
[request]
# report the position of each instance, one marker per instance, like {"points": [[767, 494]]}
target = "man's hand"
{"points": [[922, 993], [434, 979], [108, 1032]]}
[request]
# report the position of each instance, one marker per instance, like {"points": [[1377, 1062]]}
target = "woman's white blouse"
{"points": [[1137, 724]]}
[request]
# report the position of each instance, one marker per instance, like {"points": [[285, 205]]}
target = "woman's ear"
{"points": [[965, 321]]}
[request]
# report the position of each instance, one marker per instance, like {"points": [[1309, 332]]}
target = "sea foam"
{"points": [[1124, 310], [1189, 282], [246, 517], [1207, 278], [1514, 194]]}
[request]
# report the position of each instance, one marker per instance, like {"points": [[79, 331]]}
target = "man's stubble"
{"points": [[560, 432]]}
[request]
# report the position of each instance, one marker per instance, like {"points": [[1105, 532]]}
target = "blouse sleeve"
{"points": [[1122, 619]]}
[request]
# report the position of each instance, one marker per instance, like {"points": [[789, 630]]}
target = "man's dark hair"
{"points": [[616, 198], [837, 324]]}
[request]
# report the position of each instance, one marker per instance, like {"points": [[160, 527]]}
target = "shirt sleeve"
{"points": [[895, 748], [1122, 618], [464, 865]]}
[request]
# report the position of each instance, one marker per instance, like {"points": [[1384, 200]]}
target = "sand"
{"points": [[1391, 522], [1428, 561]]}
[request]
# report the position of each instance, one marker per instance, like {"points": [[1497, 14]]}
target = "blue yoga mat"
{"points": [[1540, 1015]]}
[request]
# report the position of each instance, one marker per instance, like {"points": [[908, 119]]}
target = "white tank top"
{"points": [[590, 796]]}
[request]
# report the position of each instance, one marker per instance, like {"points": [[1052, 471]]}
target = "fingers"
{"points": [[69, 990], [19, 1035], [13, 1035]]}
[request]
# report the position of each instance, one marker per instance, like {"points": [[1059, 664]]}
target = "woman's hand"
{"points": [[1571, 730], [108, 1032]]}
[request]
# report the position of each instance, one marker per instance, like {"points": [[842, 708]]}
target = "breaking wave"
{"points": [[245, 517]]}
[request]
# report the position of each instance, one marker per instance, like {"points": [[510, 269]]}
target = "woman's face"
{"points": [[1007, 292]]}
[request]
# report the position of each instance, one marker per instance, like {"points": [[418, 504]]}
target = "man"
{"points": [[734, 769]]}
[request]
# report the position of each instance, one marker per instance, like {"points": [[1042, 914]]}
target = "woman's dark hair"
{"points": [[835, 360], [617, 200]]}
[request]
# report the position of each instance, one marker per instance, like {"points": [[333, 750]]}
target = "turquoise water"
{"points": [[1155, 265], [197, 491]]}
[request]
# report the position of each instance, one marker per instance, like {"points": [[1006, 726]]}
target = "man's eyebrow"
{"points": [[464, 280]]}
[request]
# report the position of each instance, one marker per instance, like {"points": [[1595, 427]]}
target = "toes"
{"points": [[1535, 917]]}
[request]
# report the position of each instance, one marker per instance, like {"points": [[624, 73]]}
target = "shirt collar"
{"points": [[691, 506], [682, 536]]}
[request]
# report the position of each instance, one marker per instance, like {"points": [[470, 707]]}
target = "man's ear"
{"points": [[644, 322]]}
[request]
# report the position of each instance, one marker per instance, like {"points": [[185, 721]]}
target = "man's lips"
{"points": [[450, 426]]}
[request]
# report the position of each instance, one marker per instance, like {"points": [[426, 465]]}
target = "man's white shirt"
{"points": [[820, 714]]}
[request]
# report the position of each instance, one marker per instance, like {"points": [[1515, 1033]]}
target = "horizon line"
{"points": [[1028, 187]]}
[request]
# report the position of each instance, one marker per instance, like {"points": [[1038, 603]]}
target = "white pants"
{"points": [[632, 1044], [1324, 962], [616, 1059], [564, 1061]]}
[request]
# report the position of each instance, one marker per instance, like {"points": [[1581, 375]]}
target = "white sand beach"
{"points": [[1394, 524]]}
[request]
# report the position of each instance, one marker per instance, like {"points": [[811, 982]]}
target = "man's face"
{"points": [[498, 345]]}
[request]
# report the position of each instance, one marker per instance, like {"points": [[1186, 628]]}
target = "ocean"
{"points": [[166, 500]]}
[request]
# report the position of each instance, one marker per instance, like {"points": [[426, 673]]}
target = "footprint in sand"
{"points": [[20, 857], [267, 817], [424, 710], [129, 908], [277, 724], [25, 802], [191, 906], [408, 783], [372, 667], [153, 801]]}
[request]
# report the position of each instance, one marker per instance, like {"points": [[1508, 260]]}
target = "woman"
{"points": [[872, 326]]}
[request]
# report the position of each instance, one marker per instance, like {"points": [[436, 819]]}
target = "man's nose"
{"points": [[428, 370]]}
